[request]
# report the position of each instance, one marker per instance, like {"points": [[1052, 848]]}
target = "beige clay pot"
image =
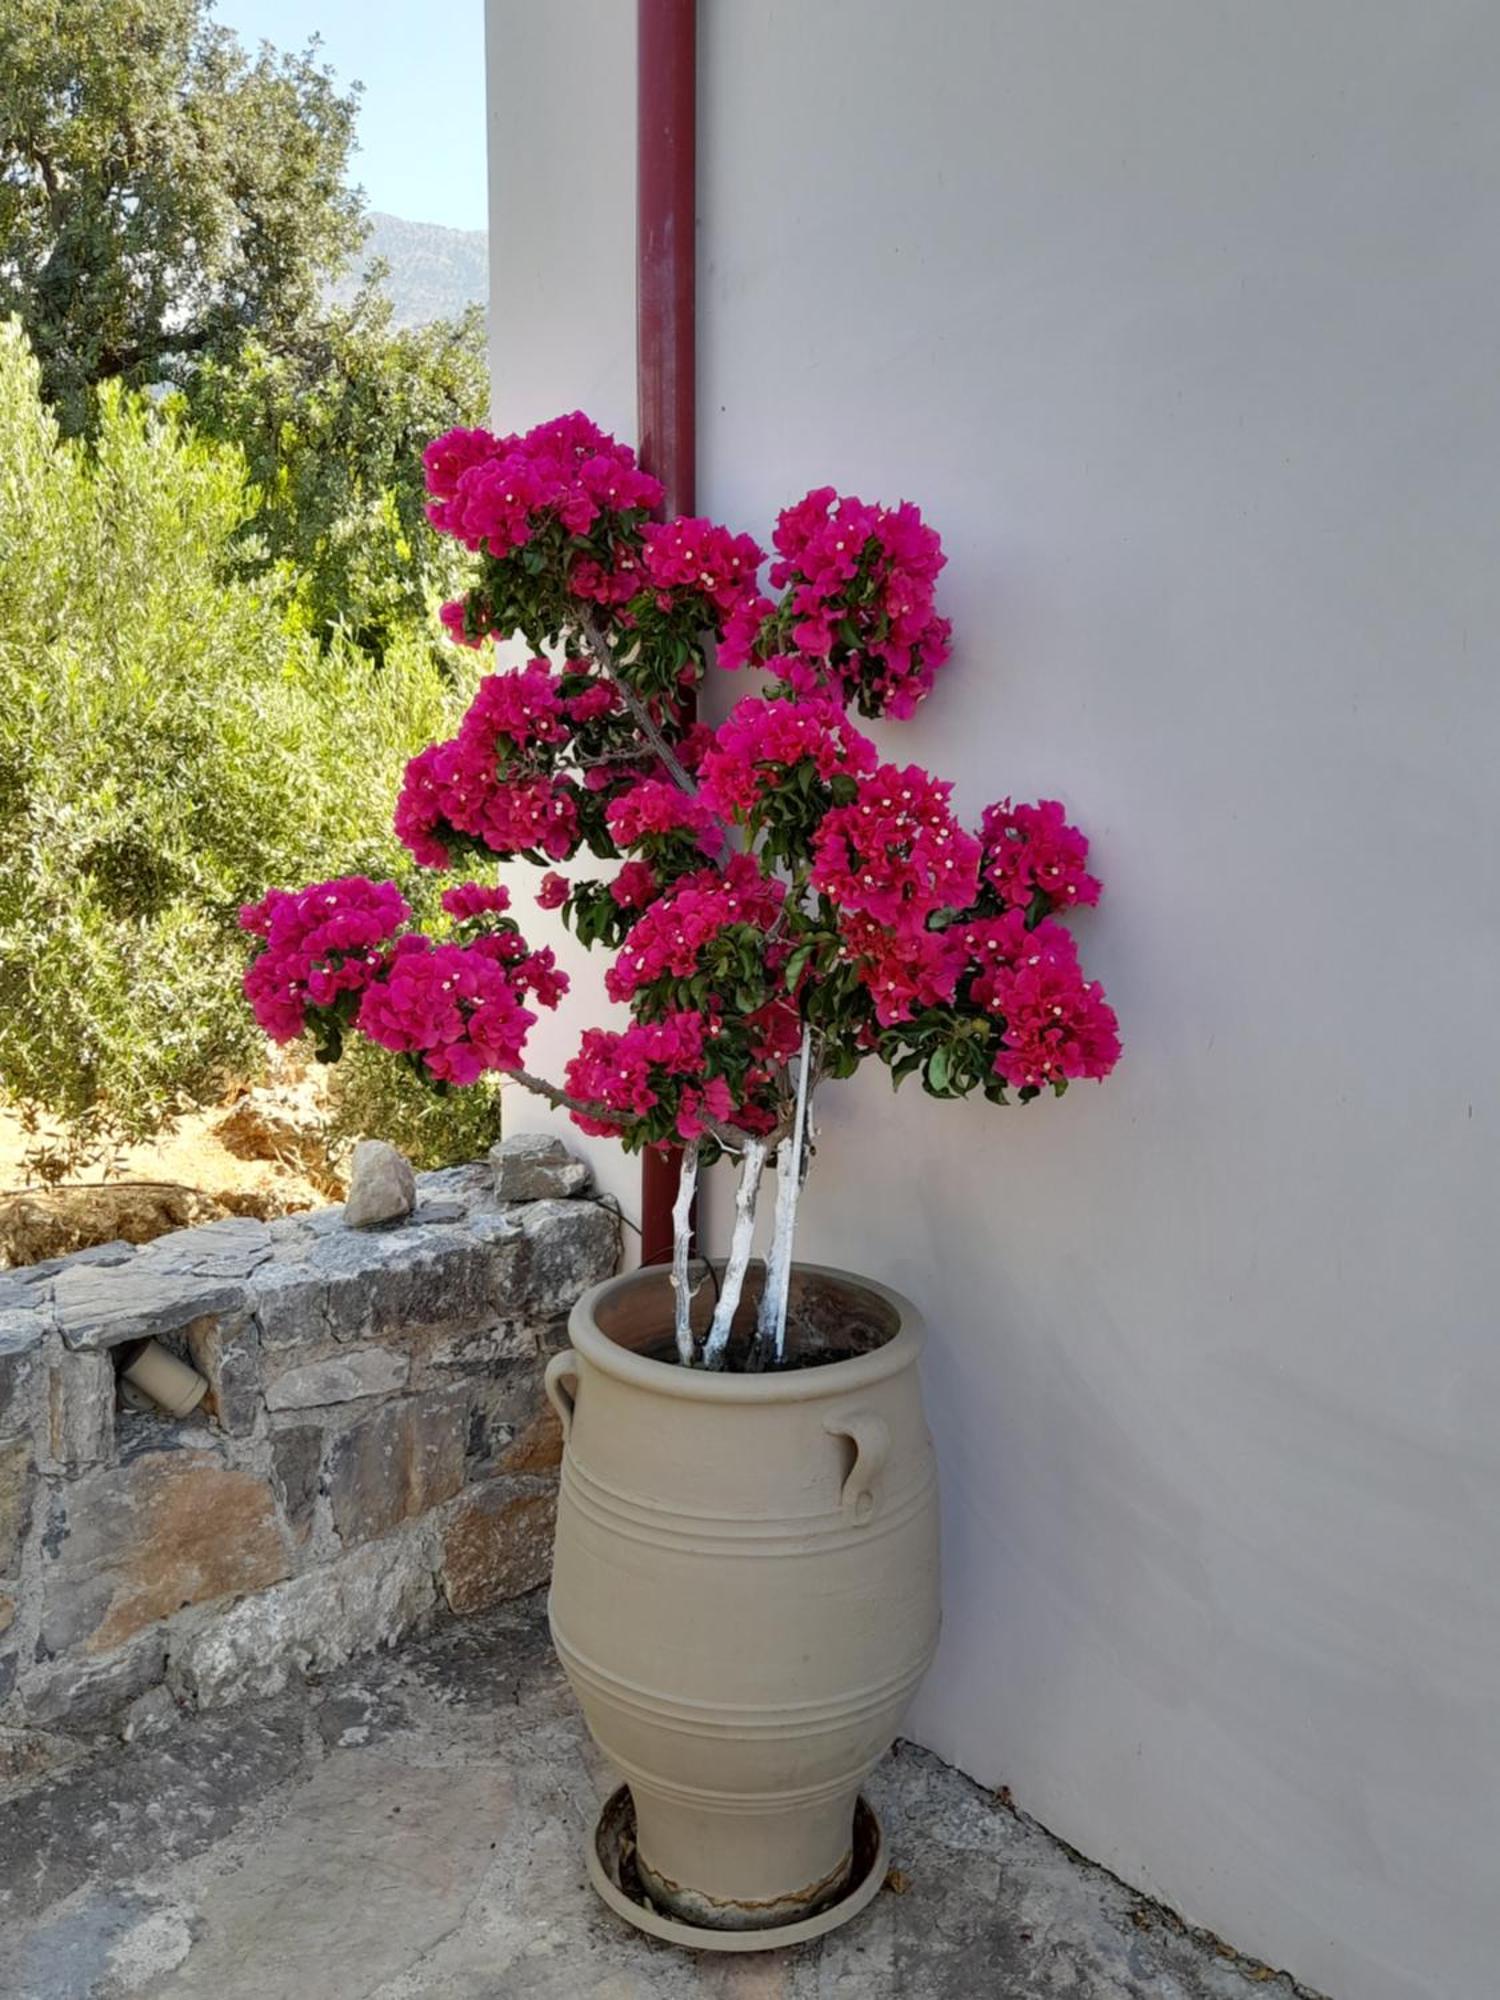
{"points": [[745, 1589], [170, 1383]]}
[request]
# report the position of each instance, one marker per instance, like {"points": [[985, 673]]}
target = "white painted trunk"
{"points": [[740, 1246], [682, 1243], [770, 1331]]}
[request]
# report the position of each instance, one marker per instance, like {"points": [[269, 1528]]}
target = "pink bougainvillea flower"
{"points": [[760, 742], [897, 852], [769, 886], [654, 807], [452, 1005], [1029, 848], [475, 899], [319, 943], [634, 886], [668, 937]]}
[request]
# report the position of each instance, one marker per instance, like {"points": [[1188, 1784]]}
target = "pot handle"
{"points": [[871, 1437], [561, 1385]]}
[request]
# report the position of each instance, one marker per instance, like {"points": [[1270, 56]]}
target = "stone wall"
{"points": [[374, 1449]]}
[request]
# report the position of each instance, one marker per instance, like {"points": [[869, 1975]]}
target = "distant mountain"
{"points": [[435, 272]]}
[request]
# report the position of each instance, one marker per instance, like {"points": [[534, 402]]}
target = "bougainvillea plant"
{"points": [[782, 902]]}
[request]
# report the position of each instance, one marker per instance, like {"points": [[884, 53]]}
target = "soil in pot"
{"points": [[826, 1321]]}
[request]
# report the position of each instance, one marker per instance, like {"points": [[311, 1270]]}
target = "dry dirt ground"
{"points": [[262, 1152]]}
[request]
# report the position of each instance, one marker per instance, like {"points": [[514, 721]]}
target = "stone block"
{"points": [[382, 1186], [76, 1693], [537, 1448], [32, 1753], [480, 1350], [505, 1242], [535, 1166], [21, 1370], [342, 1378], [227, 1353], [153, 1713], [289, 1235], [498, 1544], [100, 1307], [80, 1413], [397, 1462], [290, 1304], [233, 1247], [570, 1246], [427, 1212], [17, 1488], [296, 1462], [366, 1599], [503, 1405], [135, 1543], [473, 1186], [412, 1276]]}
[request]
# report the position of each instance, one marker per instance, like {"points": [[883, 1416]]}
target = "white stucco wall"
{"points": [[561, 112], [1179, 320]]}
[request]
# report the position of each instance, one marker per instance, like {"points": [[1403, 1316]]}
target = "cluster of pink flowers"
{"points": [[760, 741], [492, 492], [454, 619], [460, 1007], [896, 853], [468, 901], [700, 559], [593, 703], [655, 807], [518, 709], [634, 886], [628, 1072], [862, 909], [612, 583], [905, 968], [320, 943], [860, 583], [1058, 1025], [452, 787], [670, 935], [1027, 848], [453, 1005]]}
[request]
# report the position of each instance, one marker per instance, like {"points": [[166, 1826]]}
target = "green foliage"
{"points": [[380, 1096], [168, 747], [332, 423], [162, 192]]}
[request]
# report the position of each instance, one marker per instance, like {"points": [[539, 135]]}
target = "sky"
{"points": [[421, 119]]}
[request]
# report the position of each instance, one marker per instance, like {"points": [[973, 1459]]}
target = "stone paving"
{"points": [[411, 1828]]}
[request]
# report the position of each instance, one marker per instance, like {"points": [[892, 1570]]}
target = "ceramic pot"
{"points": [[170, 1383], [745, 1589]]}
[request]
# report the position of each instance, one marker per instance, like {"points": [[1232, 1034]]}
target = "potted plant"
{"points": [[745, 1588]]}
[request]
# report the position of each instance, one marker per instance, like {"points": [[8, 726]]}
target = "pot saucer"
{"points": [[611, 1861]]}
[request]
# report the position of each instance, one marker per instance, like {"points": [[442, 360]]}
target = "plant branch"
{"points": [[682, 1243], [564, 1101], [770, 1330], [640, 713], [738, 1260]]}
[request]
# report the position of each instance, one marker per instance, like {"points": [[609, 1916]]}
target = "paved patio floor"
{"points": [[414, 1826]]}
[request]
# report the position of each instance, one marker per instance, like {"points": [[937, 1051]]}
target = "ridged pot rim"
{"points": [[794, 1385]]}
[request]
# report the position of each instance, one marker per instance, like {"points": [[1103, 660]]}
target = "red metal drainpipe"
{"points": [[666, 357]]}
